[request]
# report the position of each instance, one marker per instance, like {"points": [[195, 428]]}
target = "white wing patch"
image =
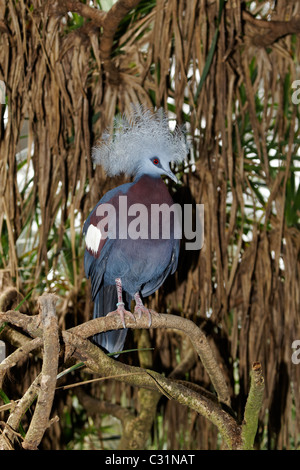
{"points": [[93, 238]]}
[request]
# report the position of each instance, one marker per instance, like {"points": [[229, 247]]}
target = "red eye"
{"points": [[155, 161]]}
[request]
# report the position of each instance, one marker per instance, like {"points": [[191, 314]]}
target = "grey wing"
{"points": [[151, 286]]}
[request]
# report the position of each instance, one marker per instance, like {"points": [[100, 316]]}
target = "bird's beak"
{"points": [[171, 175]]}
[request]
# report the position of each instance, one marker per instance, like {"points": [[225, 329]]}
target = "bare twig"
{"points": [[9, 406], [17, 355], [14, 337], [9, 297], [95, 406], [14, 419], [189, 358]]}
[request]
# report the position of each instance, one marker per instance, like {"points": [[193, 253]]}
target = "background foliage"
{"points": [[226, 70]]}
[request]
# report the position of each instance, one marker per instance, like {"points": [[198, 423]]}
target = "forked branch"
{"points": [[107, 21]]}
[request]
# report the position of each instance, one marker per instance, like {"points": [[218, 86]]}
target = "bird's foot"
{"points": [[145, 311], [121, 311], [140, 309]]}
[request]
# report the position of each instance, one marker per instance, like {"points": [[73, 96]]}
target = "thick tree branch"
{"points": [[99, 363], [112, 21], [108, 21], [113, 18], [266, 33], [196, 336], [29, 323], [88, 329], [94, 14], [137, 428], [78, 346], [253, 406], [40, 419]]}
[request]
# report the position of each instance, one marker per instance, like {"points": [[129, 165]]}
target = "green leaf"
{"points": [[210, 53]]}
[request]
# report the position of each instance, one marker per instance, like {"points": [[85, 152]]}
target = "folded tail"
{"points": [[105, 302]]}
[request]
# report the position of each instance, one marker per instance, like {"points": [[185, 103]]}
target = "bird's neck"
{"points": [[151, 189], [147, 177]]}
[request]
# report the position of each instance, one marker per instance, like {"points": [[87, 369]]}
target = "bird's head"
{"points": [[141, 144], [155, 166]]}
